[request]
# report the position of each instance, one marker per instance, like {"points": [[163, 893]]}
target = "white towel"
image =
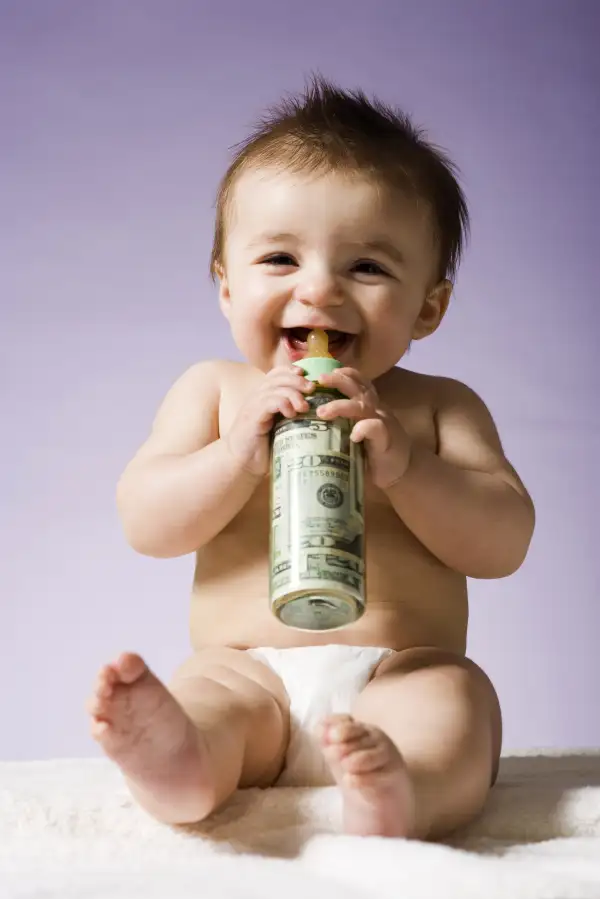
{"points": [[68, 829]]}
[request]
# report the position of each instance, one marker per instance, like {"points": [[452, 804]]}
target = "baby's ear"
{"points": [[224, 295], [433, 310]]}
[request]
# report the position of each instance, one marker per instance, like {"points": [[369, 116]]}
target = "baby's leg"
{"points": [[420, 752], [222, 724]]}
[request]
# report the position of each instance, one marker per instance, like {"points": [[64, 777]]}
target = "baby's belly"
{"points": [[412, 600]]}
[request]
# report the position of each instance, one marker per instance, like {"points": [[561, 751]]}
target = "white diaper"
{"points": [[320, 681]]}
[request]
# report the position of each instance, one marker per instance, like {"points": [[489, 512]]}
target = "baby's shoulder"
{"points": [[401, 387], [236, 378], [227, 381], [223, 374]]}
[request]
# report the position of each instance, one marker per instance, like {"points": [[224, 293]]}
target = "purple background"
{"points": [[115, 126]]}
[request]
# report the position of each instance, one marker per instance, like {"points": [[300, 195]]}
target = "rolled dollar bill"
{"points": [[317, 565]]}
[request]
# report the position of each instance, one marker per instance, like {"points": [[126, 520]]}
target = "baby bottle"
{"points": [[317, 565]]}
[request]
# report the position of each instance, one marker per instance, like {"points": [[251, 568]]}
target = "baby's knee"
{"points": [[225, 691], [238, 684], [433, 663], [461, 687], [429, 672]]}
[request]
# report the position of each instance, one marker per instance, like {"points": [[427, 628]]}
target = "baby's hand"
{"points": [[282, 391], [386, 442]]}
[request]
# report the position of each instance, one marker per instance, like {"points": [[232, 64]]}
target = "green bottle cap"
{"points": [[315, 366]]}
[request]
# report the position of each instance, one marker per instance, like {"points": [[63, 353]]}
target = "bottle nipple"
{"points": [[317, 344]]}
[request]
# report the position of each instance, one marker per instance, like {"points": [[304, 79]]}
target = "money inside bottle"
{"points": [[317, 570]]}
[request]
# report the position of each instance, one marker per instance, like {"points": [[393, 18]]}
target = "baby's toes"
{"points": [[103, 692], [328, 725], [366, 758], [98, 728], [341, 729], [129, 667], [97, 706], [106, 681]]}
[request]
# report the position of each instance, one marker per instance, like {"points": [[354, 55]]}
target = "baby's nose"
{"points": [[319, 293]]}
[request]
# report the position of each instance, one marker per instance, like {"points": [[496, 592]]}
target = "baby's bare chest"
{"points": [[412, 598], [248, 533]]}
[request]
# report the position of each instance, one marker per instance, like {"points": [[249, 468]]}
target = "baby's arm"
{"points": [[184, 485], [466, 503]]}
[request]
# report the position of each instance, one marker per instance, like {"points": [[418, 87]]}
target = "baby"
{"points": [[336, 214]]}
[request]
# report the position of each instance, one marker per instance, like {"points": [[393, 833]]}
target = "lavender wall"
{"points": [[115, 123]]}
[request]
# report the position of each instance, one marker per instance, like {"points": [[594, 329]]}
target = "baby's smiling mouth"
{"points": [[295, 341]]}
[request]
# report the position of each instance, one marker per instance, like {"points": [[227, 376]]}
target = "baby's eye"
{"points": [[375, 268], [279, 259]]}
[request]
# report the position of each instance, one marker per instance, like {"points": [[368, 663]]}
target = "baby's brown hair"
{"points": [[329, 129]]}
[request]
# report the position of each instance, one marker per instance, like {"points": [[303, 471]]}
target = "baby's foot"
{"points": [[142, 728], [378, 794]]}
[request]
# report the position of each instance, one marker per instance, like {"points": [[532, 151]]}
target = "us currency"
{"points": [[317, 508]]}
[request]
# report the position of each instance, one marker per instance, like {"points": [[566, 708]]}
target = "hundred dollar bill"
{"points": [[317, 526]]}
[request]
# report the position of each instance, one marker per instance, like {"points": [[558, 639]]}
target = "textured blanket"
{"points": [[68, 829]]}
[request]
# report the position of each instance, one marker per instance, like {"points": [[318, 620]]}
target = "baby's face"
{"points": [[329, 251]]}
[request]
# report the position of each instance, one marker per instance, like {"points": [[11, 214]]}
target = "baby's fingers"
{"points": [[285, 400], [353, 409], [288, 376], [375, 431]]}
